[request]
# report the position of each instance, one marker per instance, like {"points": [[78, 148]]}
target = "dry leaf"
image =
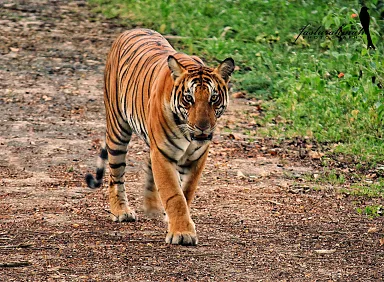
{"points": [[373, 229], [234, 136], [239, 95], [47, 98], [226, 29], [272, 152], [240, 174], [355, 113], [381, 242], [315, 155]]}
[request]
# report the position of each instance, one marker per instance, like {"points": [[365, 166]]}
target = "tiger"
{"points": [[172, 101]]}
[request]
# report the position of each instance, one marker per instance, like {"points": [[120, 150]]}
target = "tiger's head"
{"points": [[199, 96]]}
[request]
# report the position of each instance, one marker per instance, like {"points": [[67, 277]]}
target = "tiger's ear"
{"points": [[226, 68], [175, 67]]}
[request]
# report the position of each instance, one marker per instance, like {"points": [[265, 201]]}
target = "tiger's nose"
{"points": [[202, 132], [203, 127]]}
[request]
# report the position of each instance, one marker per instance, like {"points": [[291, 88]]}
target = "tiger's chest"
{"points": [[194, 151]]}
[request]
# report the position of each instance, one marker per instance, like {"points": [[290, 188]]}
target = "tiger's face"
{"points": [[200, 97]]}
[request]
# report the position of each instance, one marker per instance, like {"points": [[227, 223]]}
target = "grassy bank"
{"points": [[320, 88]]}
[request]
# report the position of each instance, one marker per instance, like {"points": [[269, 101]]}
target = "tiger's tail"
{"points": [[100, 170]]}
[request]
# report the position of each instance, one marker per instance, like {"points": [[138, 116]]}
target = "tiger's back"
{"points": [[136, 62]]}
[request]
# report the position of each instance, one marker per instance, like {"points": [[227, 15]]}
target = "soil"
{"points": [[257, 217]]}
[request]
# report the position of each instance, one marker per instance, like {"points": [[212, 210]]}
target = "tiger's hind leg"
{"points": [[152, 203], [117, 150]]}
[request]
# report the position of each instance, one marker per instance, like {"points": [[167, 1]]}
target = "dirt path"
{"points": [[255, 217]]}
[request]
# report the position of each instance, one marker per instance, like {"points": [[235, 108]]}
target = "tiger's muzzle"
{"points": [[202, 134]]}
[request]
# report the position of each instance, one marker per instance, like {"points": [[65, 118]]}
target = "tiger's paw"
{"points": [[123, 215], [183, 233], [181, 238]]}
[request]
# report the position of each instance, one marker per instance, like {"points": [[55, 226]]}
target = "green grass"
{"points": [[372, 211], [299, 82], [331, 177], [367, 189]]}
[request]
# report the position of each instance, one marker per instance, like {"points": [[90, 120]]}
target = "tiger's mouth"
{"points": [[202, 137]]}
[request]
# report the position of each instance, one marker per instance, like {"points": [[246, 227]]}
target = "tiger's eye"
{"points": [[188, 98], [214, 97]]}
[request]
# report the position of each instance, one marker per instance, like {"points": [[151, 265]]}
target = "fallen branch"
{"points": [[333, 231], [15, 263]]}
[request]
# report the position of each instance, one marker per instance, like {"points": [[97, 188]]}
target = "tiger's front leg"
{"points": [[190, 172], [181, 228]]}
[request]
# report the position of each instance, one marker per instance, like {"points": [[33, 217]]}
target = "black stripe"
{"points": [[160, 150], [185, 166], [177, 119], [171, 139], [207, 80], [116, 117], [117, 143], [170, 198], [125, 43], [104, 154], [196, 160], [116, 152], [196, 149], [114, 166], [195, 81], [181, 172], [117, 138], [165, 155]]}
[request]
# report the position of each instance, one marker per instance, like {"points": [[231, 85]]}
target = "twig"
{"points": [[15, 263], [22, 245], [176, 37], [333, 231], [202, 255], [274, 202], [145, 241]]}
